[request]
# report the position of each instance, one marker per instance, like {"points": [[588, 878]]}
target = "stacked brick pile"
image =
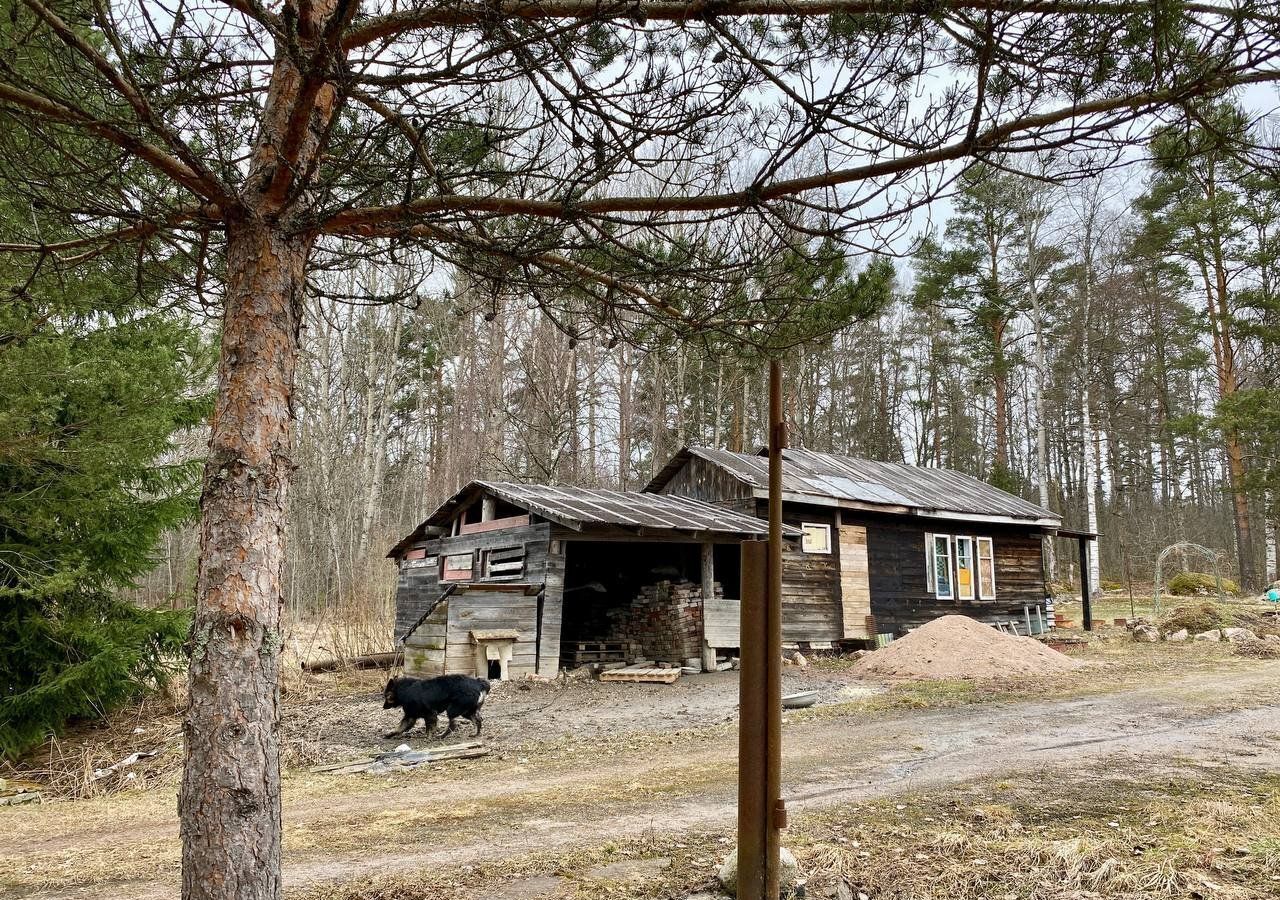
{"points": [[664, 621]]}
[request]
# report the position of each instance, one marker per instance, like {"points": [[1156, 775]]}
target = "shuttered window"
{"points": [[504, 563]]}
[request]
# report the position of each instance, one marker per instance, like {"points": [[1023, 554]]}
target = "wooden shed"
{"points": [[886, 546], [506, 579]]}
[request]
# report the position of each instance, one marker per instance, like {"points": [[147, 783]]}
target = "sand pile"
{"points": [[961, 647]]}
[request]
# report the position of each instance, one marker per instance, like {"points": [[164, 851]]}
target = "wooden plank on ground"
{"points": [[641, 673]]}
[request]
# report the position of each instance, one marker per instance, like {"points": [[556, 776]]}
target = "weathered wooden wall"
{"points": [[811, 610], [552, 617], [855, 582], [900, 598], [419, 586], [479, 609], [722, 622], [701, 480]]}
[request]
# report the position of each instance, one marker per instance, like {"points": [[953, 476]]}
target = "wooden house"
{"points": [[885, 547], [505, 580]]}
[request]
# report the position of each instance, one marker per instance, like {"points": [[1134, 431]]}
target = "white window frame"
{"points": [[978, 556], [951, 576], [929, 573], [804, 528], [973, 567]]}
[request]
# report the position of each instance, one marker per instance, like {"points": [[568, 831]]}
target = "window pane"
{"points": [[817, 538], [942, 564], [964, 568], [986, 569]]}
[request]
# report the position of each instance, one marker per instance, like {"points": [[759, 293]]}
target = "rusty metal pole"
{"points": [[773, 634], [753, 808], [761, 814]]}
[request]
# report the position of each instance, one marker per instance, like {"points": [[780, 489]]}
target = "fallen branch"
{"points": [[368, 661]]}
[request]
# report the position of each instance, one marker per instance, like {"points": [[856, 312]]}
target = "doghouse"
{"points": [[505, 580], [886, 546]]}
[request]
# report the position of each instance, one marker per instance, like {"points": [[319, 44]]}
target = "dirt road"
{"points": [[584, 792]]}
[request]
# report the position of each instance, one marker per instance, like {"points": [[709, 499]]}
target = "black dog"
{"points": [[425, 698]]}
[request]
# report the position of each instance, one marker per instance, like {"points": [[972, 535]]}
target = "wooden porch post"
{"points": [[708, 595], [1086, 589]]}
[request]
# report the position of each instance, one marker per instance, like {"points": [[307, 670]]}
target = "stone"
{"points": [[1238, 635], [1271, 638], [799, 660], [858, 654], [1145, 634], [788, 871], [1212, 634], [1178, 636]]}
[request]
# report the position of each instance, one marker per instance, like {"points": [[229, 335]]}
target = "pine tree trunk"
{"points": [[230, 798], [1224, 347]]}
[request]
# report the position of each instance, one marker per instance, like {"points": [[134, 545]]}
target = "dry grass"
{"points": [[1201, 833], [65, 766]]}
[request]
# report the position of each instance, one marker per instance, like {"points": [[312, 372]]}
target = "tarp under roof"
{"points": [[579, 508], [827, 479]]}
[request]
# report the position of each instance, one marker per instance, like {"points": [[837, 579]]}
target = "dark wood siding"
{"points": [[810, 581], [700, 480], [896, 556]]}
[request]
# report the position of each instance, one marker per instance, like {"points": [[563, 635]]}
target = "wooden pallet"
{"points": [[596, 651], [641, 673]]}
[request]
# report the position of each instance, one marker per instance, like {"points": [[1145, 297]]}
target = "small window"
{"points": [[928, 564], [817, 538], [504, 563], [942, 566], [964, 568], [457, 567], [986, 569]]}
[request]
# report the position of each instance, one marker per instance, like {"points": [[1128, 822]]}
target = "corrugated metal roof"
{"points": [[576, 507], [914, 489]]}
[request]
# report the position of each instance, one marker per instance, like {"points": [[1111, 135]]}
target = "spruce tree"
{"points": [[94, 391]]}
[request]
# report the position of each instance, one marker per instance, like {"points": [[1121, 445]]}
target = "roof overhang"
{"points": [[1072, 534], [1046, 523]]}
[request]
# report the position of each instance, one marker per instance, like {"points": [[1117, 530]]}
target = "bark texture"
{"points": [[230, 799]]}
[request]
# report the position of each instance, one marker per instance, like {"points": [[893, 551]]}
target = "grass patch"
{"points": [[1199, 833]]}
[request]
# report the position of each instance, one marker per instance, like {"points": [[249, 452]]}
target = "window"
{"points": [[942, 566], [817, 538], [964, 568], [457, 567], [960, 567], [503, 563], [928, 563], [986, 569]]}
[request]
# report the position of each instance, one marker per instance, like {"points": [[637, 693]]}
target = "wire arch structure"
{"points": [[1213, 556]]}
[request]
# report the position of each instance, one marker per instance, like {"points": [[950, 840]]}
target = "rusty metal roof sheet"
{"points": [[577, 508], [898, 487]]}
